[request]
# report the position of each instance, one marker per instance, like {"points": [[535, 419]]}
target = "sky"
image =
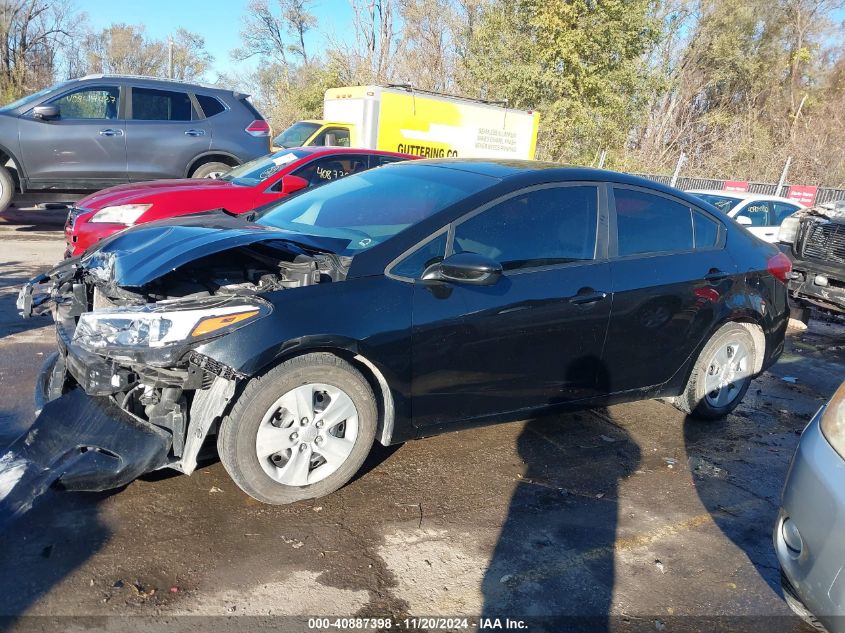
{"points": [[218, 21]]}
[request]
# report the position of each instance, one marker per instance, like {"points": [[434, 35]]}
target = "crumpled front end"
{"points": [[135, 351]]}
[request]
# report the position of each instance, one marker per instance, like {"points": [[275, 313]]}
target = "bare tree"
{"points": [[125, 49], [190, 57], [298, 22], [428, 52], [375, 37], [266, 31], [33, 35]]}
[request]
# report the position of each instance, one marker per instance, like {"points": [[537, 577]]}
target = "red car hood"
{"points": [[142, 191]]}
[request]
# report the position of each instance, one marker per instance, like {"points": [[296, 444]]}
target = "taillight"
{"points": [[259, 127], [780, 266]]}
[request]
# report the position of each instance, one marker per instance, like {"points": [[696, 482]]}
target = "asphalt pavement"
{"points": [[627, 518]]}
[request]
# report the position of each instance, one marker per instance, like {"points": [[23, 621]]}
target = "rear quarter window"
{"points": [[210, 106], [706, 231]]}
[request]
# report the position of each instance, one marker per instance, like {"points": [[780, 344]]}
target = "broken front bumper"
{"points": [[78, 443]]}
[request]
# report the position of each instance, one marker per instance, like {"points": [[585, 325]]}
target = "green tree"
{"points": [[579, 63]]}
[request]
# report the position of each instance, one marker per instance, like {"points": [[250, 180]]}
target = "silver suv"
{"points": [[102, 130]]}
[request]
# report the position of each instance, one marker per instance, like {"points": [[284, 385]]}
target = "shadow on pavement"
{"points": [[46, 545], [554, 559]]}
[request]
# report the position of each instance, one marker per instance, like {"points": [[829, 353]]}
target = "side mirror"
{"points": [[744, 220], [465, 268], [45, 113], [290, 184]]}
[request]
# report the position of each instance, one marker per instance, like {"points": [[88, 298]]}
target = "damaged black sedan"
{"points": [[393, 304]]}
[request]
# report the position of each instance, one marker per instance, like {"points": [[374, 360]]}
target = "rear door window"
{"points": [[161, 105], [544, 227], [648, 223]]}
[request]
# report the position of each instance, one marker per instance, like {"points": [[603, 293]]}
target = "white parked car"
{"points": [[760, 214]]}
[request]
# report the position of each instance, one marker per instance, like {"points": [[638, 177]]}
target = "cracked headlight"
{"points": [[163, 325], [126, 214], [833, 421]]}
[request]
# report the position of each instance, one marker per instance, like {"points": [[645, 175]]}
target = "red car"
{"points": [[246, 187]]}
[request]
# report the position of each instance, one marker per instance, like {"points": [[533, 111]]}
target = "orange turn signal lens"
{"points": [[212, 324]]}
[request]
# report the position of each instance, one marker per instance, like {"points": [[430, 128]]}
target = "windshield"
{"points": [[260, 169], [372, 206], [723, 203], [296, 134], [32, 98]]}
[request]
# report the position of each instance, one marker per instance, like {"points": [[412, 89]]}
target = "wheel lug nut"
{"points": [[320, 424], [318, 440], [303, 421], [303, 448], [294, 436]]}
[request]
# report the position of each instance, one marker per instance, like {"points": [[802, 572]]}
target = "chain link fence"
{"points": [[824, 194]]}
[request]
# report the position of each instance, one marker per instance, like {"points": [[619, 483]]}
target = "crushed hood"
{"points": [[142, 254]]}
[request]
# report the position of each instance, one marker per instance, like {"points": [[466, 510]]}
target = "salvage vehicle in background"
{"points": [[759, 213], [242, 189], [401, 118], [808, 533], [397, 303], [102, 130], [814, 239]]}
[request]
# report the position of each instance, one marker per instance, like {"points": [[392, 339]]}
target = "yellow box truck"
{"points": [[418, 122]]}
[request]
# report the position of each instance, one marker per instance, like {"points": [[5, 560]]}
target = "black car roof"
{"points": [[527, 172]]}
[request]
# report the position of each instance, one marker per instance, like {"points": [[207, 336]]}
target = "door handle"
{"points": [[715, 275], [587, 295], [194, 132], [111, 132]]}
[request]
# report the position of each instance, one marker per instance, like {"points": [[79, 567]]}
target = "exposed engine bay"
{"points": [[135, 345]]}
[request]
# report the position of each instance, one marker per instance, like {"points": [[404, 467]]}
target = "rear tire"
{"points": [[300, 431], [7, 188], [721, 375], [211, 170]]}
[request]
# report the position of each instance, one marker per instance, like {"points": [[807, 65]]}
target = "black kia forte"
{"points": [[405, 301]]}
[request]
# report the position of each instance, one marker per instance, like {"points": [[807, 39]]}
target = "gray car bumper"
{"points": [[812, 556]]}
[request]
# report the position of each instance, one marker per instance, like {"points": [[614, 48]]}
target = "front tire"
{"points": [[211, 170], [300, 431], [721, 375], [7, 188]]}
